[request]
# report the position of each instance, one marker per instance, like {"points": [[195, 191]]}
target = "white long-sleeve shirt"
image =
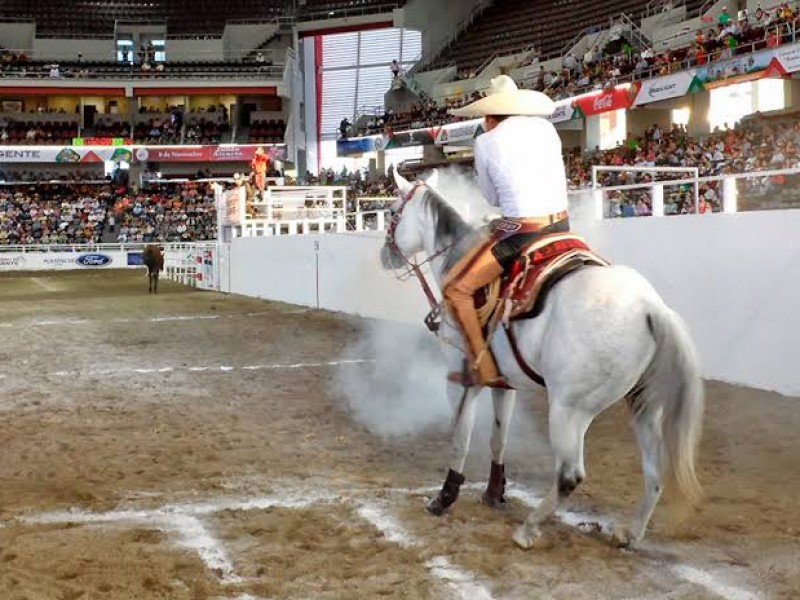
{"points": [[520, 168]]}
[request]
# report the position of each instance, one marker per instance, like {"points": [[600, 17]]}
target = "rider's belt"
{"points": [[509, 226]]}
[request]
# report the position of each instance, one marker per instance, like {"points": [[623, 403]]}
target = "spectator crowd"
{"points": [[53, 213], [75, 213], [604, 67], [168, 212]]}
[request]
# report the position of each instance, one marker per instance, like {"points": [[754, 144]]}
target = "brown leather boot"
{"points": [[479, 270]]}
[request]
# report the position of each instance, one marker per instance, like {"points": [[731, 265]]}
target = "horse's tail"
{"points": [[672, 382]]}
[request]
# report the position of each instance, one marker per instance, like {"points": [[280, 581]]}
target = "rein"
{"points": [[414, 268]]}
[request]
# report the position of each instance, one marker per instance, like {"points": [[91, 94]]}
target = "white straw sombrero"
{"points": [[506, 99]]}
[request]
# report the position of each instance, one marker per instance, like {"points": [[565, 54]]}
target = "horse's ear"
{"points": [[432, 179], [403, 184]]}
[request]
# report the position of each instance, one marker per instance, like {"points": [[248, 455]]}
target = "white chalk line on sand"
{"points": [[211, 369], [706, 580], [45, 285], [586, 521], [461, 582], [184, 521], [157, 319]]}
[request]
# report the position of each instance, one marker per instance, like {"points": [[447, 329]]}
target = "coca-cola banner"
{"points": [[664, 88], [224, 153], [595, 103]]}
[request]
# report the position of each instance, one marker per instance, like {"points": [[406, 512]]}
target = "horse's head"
{"points": [[405, 234]]}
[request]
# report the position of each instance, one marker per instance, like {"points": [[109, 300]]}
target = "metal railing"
{"points": [[655, 7], [338, 13], [74, 36]]}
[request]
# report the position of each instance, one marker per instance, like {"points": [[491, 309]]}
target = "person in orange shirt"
{"points": [[259, 164]]}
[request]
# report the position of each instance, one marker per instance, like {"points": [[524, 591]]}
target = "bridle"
{"points": [[414, 268]]}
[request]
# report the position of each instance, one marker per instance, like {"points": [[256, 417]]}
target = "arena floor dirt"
{"points": [[192, 446]]}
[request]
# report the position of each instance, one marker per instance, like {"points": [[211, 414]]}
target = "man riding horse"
{"points": [[521, 171]]}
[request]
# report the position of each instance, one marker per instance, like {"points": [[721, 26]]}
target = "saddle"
{"points": [[521, 292]]}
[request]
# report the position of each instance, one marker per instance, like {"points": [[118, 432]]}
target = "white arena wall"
{"points": [[735, 278]]}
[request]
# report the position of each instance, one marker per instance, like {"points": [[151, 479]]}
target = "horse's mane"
{"points": [[451, 229]]}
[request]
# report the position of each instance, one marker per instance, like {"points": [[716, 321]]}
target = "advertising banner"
{"points": [[356, 146], [664, 88], [740, 69], [564, 111], [64, 155], [607, 100], [224, 153], [376, 143], [231, 209], [102, 141], [61, 261], [785, 60], [406, 139], [455, 133]]}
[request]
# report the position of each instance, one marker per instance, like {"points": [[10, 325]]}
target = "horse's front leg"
{"points": [[464, 401], [503, 401]]}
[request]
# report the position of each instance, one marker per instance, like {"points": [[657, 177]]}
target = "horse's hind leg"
{"points": [[567, 430], [503, 401], [651, 442], [465, 405]]}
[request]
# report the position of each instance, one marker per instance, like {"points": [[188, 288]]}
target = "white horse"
{"points": [[604, 334]]}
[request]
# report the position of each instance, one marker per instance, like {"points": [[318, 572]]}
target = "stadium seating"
{"points": [[29, 132], [53, 213], [99, 16], [167, 212], [71, 69], [267, 132], [510, 26], [338, 6], [181, 16]]}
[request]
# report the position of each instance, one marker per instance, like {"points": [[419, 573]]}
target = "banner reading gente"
{"points": [[97, 154]]}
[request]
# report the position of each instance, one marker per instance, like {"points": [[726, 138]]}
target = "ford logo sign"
{"points": [[93, 260]]}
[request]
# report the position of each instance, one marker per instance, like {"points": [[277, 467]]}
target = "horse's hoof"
{"points": [[493, 501], [622, 537], [532, 539], [523, 538], [436, 508]]}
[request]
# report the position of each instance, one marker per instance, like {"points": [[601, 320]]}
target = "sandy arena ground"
{"points": [[191, 446]]}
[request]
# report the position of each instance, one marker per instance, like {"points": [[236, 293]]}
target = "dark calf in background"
{"points": [[154, 261]]}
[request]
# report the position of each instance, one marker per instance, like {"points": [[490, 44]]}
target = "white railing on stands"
{"points": [[730, 184]]}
